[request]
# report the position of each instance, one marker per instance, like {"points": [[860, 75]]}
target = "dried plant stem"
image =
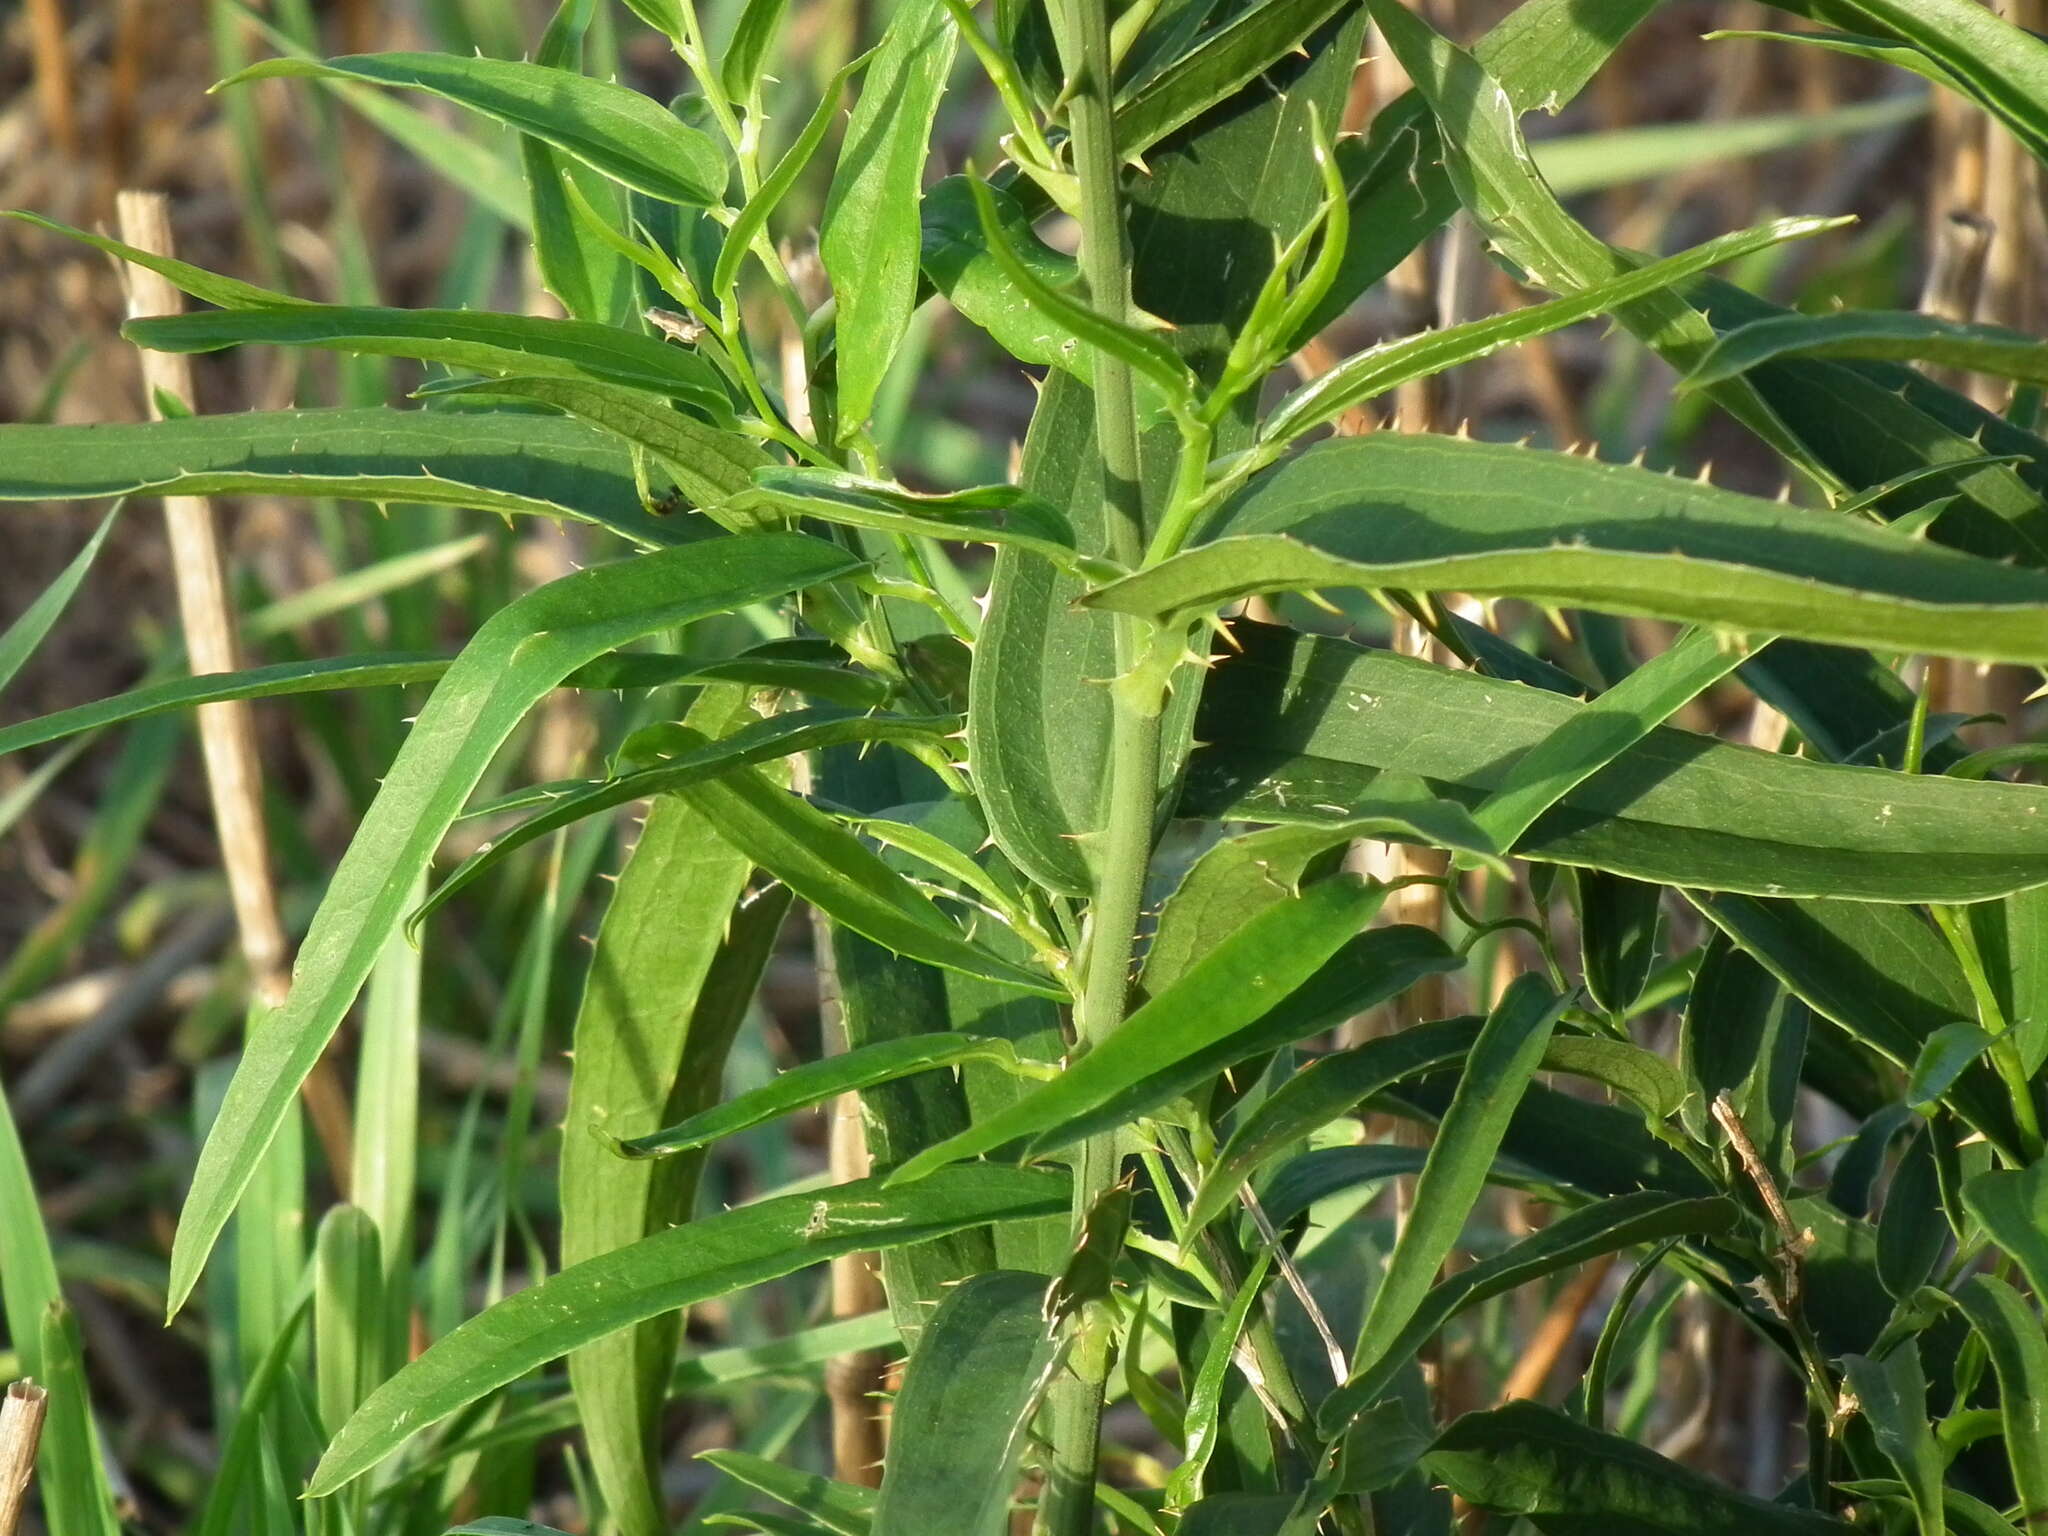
{"points": [[54, 87], [234, 776], [21, 1431]]}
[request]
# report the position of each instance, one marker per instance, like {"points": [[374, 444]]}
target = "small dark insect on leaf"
{"points": [[669, 502], [676, 327]]}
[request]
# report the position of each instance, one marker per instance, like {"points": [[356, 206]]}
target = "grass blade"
{"points": [[27, 631]]}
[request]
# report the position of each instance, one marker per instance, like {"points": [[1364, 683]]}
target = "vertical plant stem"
{"points": [[1082, 28]]}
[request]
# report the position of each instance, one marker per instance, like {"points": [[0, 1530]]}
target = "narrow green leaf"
{"points": [[995, 514], [692, 759], [1603, 730], [1732, 1015], [709, 465], [2017, 1342], [348, 1313], [27, 631], [1372, 373], [1944, 1056], [1205, 1413], [845, 1509], [671, 1269], [2012, 1206], [1606, 1226], [869, 238], [1891, 337], [753, 220], [1298, 730], [2003, 67], [611, 129], [1618, 933], [959, 262], [1148, 356], [212, 287], [1270, 955], [499, 462], [833, 870], [643, 1045], [1420, 513], [816, 1082], [520, 653], [1326, 1088], [1222, 63], [1646, 1079], [1503, 1058], [459, 338], [960, 1422], [747, 54], [1912, 1231], [1892, 1395], [1525, 1459]]}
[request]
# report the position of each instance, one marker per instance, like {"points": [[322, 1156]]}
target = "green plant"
{"points": [[1078, 851]]}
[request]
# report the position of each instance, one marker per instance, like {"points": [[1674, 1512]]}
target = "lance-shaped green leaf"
{"points": [[1271, 954], [2002, 66], [1734, 1019], [610, 128], [27, 631], [458, 338], [2012, 1206], [1372, 373], [1148, 356], [1606, 1226], [1298, 730], [1644, 1078], [960, 1422], [747, 54], [869, 237], [815, 1082], [709, 465], [658, 1274], [1891, 337], [652, 1033], [1618, 933], [1602, 730], [1892, 1395], [1503, 1059], [212, 287], [1877, 50], [1525, 1459], [990, 514], [2017, 1342], [1424, 513], [520, 653], [1227, 59], [492, 462], [753, 220], [395, 669], [1330, 1086], [835, 871], [693, 761], [1206, 1424], [958, 261], [827, 1505]]}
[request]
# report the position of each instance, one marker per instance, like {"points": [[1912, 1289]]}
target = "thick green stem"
{"points": [[1125, 849]]}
